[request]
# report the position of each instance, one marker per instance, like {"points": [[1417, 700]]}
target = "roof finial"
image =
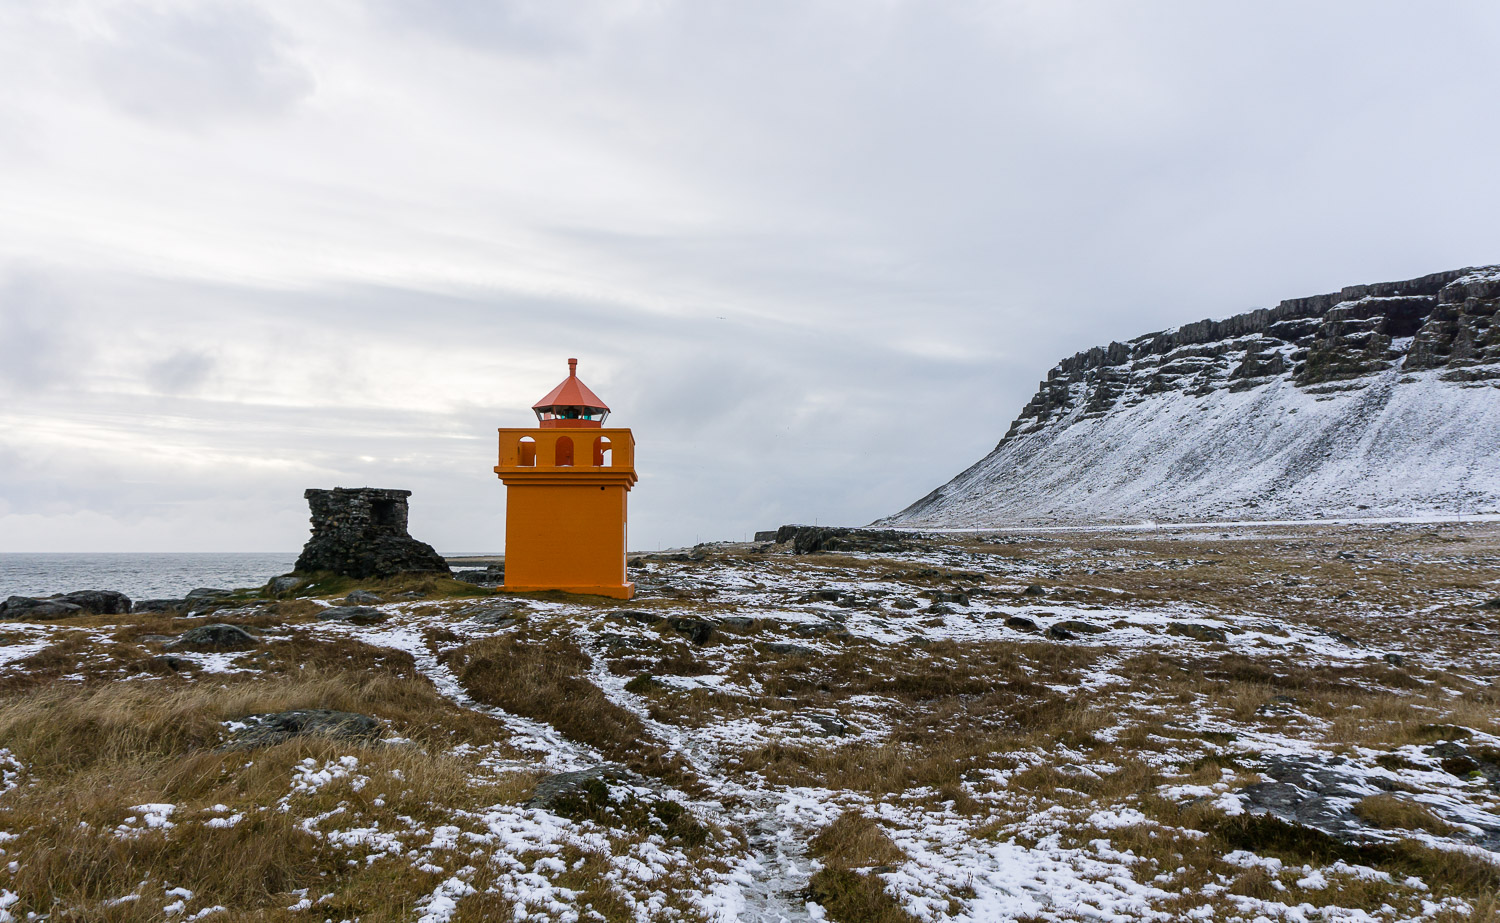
{"points": [[572, 368]]}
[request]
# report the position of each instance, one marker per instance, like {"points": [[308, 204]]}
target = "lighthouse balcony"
{"points": [[551, 453]]}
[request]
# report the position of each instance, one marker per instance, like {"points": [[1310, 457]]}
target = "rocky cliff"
{"points": [[1379, 399]]}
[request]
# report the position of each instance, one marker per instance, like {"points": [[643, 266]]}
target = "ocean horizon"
{"points": [[139, 575], [154, 575]]}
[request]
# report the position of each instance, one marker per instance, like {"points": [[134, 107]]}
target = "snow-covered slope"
{"points": [[1380, 400]]}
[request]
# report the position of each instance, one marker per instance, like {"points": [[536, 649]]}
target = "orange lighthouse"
{"points": [[566, 483]]}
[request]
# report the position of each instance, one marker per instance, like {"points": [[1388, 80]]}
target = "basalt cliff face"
{"points": [[1378, 400]]}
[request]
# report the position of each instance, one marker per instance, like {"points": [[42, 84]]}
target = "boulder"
{"points": [[1034, 590], [809, 539], [357, 615], [363, 598], [286, 583], [204, 593], [98, 602], [637, 615], [828, 725], [958, 598], [1074, 626], [573, 793], [788, 649], [614, 641], [738, 622], [499, 615], [25, 607], [1198, 632], [1020, 623], [214, 637], [831, 630], [1463, 762], [160, 605], [696, 630], [272, 729]]}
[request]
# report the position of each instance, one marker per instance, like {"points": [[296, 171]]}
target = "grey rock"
{"points": [[568, 793], [499, 615], [361, 533], [697, 631], [161, 605], [1492, 604], [1321, 794], [767, 536], [788, 649], [824, 596], [1034, 590], [829, 725], [1342, 638], [822, 630], [958, 598], [480, 577], [1395, 660], [900, 603], [637, 615], [1278, 705], [738, 622], [1198, 632], [1074, 626], [357, 615], [269, 730], [98, 602], [214, 637], [809, 539], [615, 641], [286, 583], [363, 598], [1020, 623], [1460, 761], [941, 609], [203, 593], [25, 607]]}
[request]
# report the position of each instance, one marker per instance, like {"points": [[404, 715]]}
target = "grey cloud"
{"points": [[182, 372], [37, 351], [885, 203], [531, 27], [198, 64]]}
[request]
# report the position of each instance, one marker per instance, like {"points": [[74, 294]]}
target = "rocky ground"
{"points": [[1275, 723]]}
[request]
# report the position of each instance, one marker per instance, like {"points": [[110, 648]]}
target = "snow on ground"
{"points": [[1049, 828]]}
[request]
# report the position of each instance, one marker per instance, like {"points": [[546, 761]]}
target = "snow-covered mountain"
{"points": [[1378, 400]]}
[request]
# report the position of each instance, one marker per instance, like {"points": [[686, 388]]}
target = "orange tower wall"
{"points": [[566, 524]]}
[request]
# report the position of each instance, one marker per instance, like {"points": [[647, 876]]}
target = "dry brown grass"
{"points": [[855, 841], [91, 753], [1392, 812], [547, 680]]}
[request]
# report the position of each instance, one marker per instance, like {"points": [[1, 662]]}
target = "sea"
{"points": [[139, 576]]}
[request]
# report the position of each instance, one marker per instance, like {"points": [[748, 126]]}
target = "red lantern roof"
{"points": [[571, 403]]}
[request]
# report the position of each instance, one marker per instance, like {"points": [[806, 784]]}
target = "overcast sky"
{"points": [[816, 254]]}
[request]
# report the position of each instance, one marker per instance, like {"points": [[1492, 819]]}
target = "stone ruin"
{"points": [[361, 532]]}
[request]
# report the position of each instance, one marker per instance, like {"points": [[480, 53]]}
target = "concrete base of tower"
{"points": [[616, 591]]}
